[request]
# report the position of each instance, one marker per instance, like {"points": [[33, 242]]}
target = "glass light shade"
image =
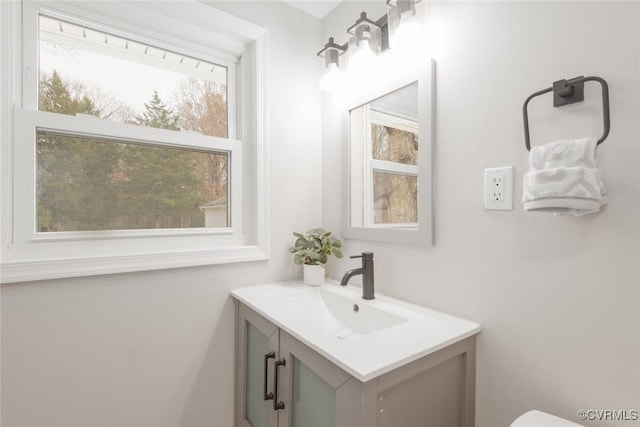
{"points": [[365, 37], [330, 79], [366, 33], [404, 30], [364, 47], [331, 57]]}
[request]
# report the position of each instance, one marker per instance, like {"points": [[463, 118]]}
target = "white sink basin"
{"points": [[375, 338], [354, 317]]}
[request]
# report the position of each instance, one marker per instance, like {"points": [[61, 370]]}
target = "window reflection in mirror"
{"points": [[384, 160], [388, 171]]}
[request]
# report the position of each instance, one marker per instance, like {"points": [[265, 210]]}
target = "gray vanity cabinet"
{"points": [[257, 340], [309, 390], [437, 390]]}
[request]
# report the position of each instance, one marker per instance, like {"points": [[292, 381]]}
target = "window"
{"points": [[127, 141], [393, 165], [86, 71]]}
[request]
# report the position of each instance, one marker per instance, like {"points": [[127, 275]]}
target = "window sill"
{"points": [[26, 271]]}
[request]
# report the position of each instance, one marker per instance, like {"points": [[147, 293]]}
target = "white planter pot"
{"points": [[313, 275]]}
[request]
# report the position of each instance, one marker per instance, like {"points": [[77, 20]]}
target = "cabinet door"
{"points": [[436, 390], [315, 392], [257, 350]]}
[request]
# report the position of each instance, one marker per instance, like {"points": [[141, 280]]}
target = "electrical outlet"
{"points": [[496, 182], [498, 188]]}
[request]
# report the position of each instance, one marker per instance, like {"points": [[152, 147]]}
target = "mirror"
{"points": [[388, 164]]}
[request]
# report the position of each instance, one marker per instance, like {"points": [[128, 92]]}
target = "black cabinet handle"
{"points": [[277, 405], [270, 355]]}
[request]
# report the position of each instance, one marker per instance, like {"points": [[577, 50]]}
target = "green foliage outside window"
{"points": [[96, 184]]}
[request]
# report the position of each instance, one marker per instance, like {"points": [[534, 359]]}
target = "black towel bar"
{"points": [[567, 92]]}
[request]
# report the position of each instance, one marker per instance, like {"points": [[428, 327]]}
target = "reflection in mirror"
{"points": [[388, 170], [384, 164]]}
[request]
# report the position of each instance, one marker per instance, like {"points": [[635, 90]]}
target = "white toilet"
{"points": [[542, 419]]}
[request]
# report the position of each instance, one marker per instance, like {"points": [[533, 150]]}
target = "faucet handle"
{"points": [[366, 255]]}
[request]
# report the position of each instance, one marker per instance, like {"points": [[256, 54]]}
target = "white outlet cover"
{"points": [[498, 188]]}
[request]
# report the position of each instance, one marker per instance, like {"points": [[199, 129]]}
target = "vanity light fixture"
{"points": [[365, 40], [331, 54], [369, 38], [364, 45]]}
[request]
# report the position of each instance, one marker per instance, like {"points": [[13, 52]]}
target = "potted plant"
{"points": [[312, 249]]}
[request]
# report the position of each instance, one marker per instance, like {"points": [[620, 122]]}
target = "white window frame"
{"points": [[28, 122], [30, 35], [28, 255], [383, 166]]}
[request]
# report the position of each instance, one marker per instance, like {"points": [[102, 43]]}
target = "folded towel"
{"points": [[564, 178]]}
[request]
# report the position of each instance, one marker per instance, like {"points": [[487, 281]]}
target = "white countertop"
{"points": [[393, 333]]}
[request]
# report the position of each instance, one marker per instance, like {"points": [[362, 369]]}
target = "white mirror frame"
{"points": [[423, 235]]}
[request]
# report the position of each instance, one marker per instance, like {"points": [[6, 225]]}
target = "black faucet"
{"points": [[367, 275]]}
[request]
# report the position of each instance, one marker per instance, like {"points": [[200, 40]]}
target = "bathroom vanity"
{"points": [[323, 356]]}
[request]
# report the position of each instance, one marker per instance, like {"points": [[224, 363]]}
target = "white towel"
{"points": [[564, 178]]}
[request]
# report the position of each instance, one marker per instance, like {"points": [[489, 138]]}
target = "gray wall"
{"points": [[558, 296], [157, 349]]}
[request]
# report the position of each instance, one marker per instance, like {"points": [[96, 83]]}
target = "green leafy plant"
{"points": [[314, 247]]}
